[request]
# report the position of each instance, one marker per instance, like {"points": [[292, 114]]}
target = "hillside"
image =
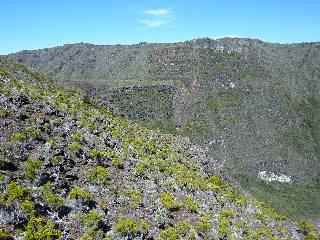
{"points": [[253, 106], [73, 170]]}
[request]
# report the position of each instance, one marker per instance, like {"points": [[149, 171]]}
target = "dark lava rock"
{"points": [[104, 226], [8, 166], [63, 211], [42, 209], [44, 178]]}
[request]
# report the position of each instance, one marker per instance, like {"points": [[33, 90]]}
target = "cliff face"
{"points": [[254, 106], [72, 170]]}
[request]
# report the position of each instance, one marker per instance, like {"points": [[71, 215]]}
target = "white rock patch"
{"points": [[272, 177]]}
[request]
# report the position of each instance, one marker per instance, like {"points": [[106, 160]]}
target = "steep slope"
{"points": [[72, 170], [254, 106]]}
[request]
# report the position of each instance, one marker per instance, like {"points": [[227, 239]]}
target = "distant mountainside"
{"points": [[254, 106], [73, 170]]}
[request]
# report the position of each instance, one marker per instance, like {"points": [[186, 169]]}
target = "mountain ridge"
{"points": [[253, 105]]}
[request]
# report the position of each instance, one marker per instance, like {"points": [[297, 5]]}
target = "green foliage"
{"points": [[28, 207], [3, 73], [225, 222], [31, 168], [79, 193], [118, 163], [15, 191], [262, 232], [35, 75], [223, 100], [141, 167], [97, 154], [227, 213], [135, 198], [50, 197], [75, 146], [76, 137], [124, 226], [2, 177], [4, 234], [98, 174], [4, 113], [197, 128], [305, 139], [215, 183], [168, 201], [151, 147], [163, 125], [41, 229], [309, 230], [215, 180], [188, 178], [56, 160], [183, 228], [190, 205], [32, 132], [169, 233], [203, 225], [91, 219], [18, 137], [297, 200], [143, 226]]}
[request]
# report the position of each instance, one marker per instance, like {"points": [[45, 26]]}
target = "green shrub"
{"points": [[50, 197], [143, 226], [4, 113], [141, 167], [79, 193], [56, 160], [75, 147], [151, 147], [41, 229], [203, 225], [135, 198], [98, 174], [33, 132], [15, 191], [28, 207], [18, 137], [31, 168], [94, 153], [91, 219], [183, 228], [168, 201], [309, 230], [227, 213], [190, 205], [224, 222], [169, 233], [5, 235], [118, 163], [215, 180], [76, 137], [3, 73], [125, 226]]}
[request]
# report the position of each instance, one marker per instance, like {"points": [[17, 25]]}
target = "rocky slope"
{"points": [[254, 106], [72, 170], [255, 99]]}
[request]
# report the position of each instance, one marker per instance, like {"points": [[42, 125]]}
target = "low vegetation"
{"points": [[87, 174]]}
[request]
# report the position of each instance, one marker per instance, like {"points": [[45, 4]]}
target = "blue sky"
{"points": [[33, 24]]}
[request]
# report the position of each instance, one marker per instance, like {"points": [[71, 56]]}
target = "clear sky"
{"points": [[33, 24]]}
